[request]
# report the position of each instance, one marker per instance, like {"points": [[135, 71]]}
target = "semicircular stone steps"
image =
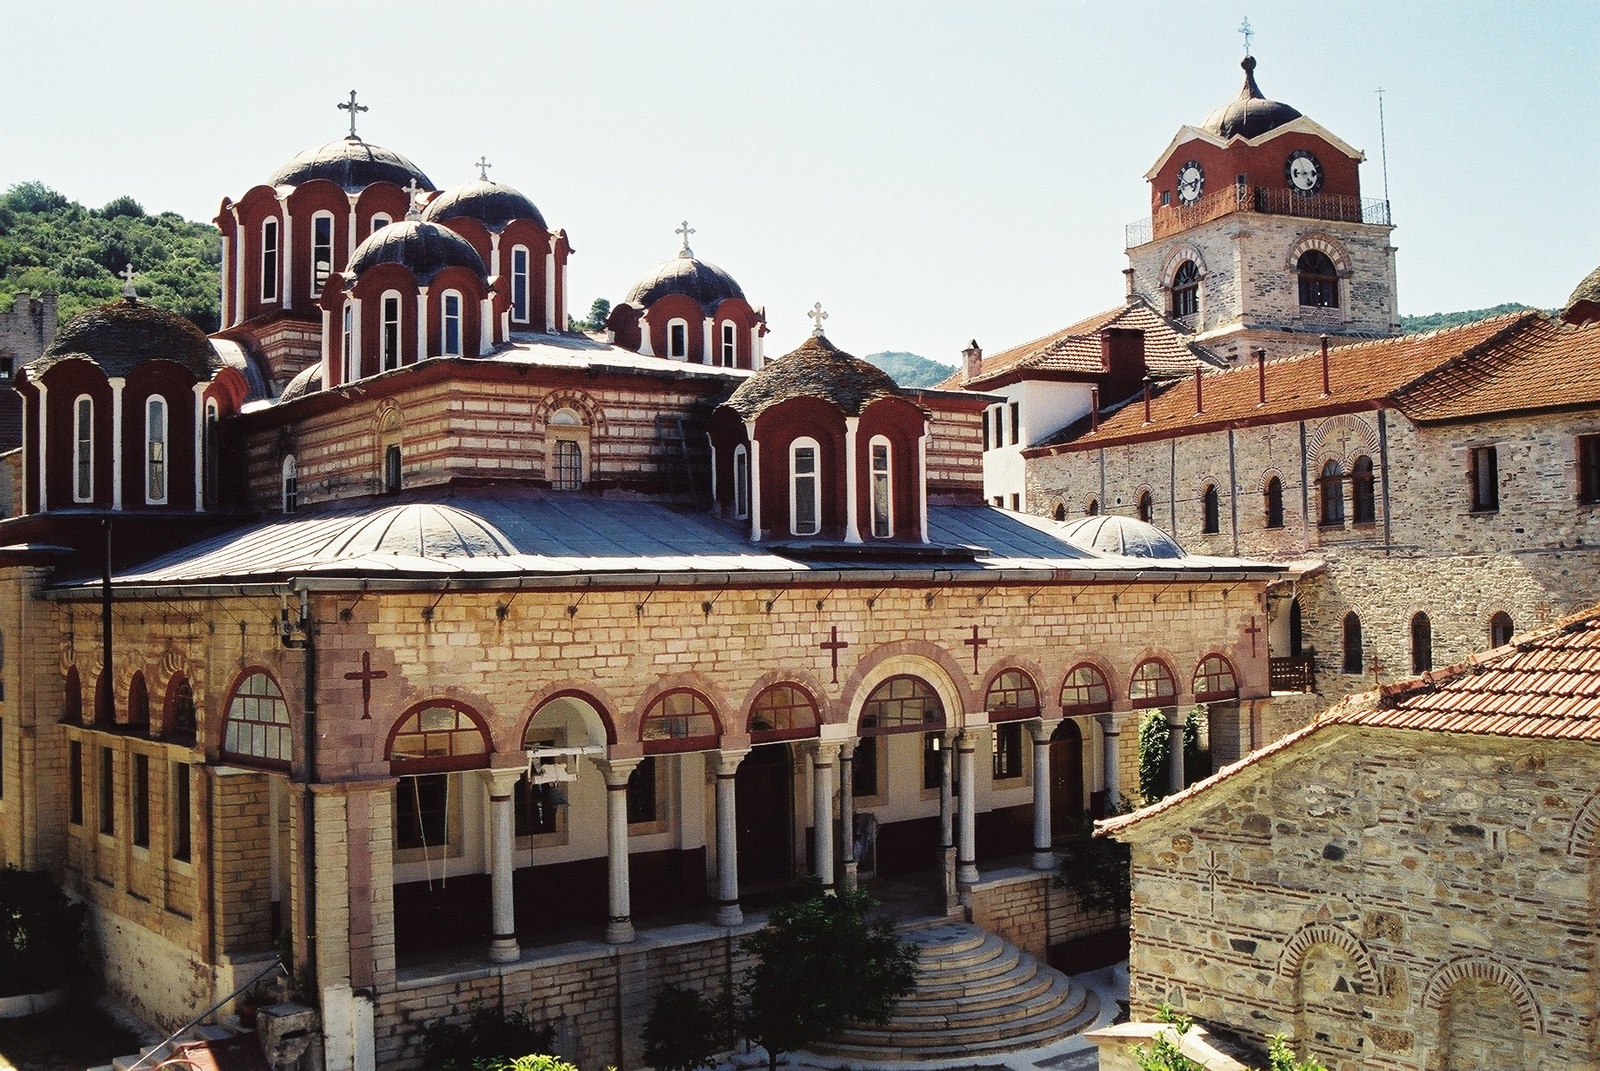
{"points": [[976, 994]]}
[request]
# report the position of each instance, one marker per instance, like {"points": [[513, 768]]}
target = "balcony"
{"points": [[1294, 673], [1272, 202]]}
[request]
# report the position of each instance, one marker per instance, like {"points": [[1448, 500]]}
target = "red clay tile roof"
{"points": [[1076, 349], [1545, 364], [1545, 685], [1365, 373]]}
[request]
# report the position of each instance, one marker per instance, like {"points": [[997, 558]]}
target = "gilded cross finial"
{"points": [[483, 165], [413, 190], [128, 291], [685, 230], [1247, 33], [353, 108], [817, 316]]}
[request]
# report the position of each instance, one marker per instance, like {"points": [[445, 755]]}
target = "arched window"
{"points": [[1085, 691], [392, 469], [291, 484], [1214, 680], [1421, 643], [138, 703], [391, 330], [450, 324], [1274, 502], [72, 698], [1092, 509], [380, 220], [321, 251], [569, 466], [1297, 635], [805, 503], [347, 338], [269, 259], [182, 720], [882, 499], [901, 705], [1353, 659], [83, 449], [1147, 509], [741, 482], [105, 712], [1211, 510], [1186, 290], [783, 712], [679, 720], [1331, 491], [257, 722], [437, 736], [519, 284], [1012, 694], [1319, 282], [212, 452], [1363, 503], [1059, 513], [730, 343], [1500, 629], [1152, 684], [155, 451], [678, 339]]}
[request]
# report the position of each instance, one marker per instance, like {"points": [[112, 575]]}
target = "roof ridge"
{"points": [[1471, 353]]}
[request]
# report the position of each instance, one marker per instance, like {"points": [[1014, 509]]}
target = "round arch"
{"points": [[783, 710], [438, 735], [255, 719], [1337, 937], [1215, 679], [925, 661], [1012, 693], [1153, 683], [1462, 968], [678, 720], [1322, 242], [580, 717], [1086, 689]]}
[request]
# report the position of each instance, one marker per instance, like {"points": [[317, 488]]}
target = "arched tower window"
{"points": [[679, 720], [83, 449], [321, 251], [450, 324], [291, 484], [380, 221], [1273, 496], [882, 496], [212, 452], [1352, 643], [1331, 493], [155, 451], [678, 339], [519, 284], [1211, 510], [730, 343], [1421, 643], [1501, 629], [269, 259], [805, 503], [1363, 502], [1319, 282], [257, 722], [1186, 290]]}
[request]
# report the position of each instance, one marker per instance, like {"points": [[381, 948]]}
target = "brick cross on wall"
{"points": [[975, 643], [833, 645], [366, 677]]}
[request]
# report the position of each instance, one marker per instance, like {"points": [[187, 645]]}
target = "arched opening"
{"points": [[1297, 632], [1319, 281], [1147, 510], [1186, 291], [1223, 737], [1363, 500], [899, 707], [1273, 496], [1211, 510], [1353, 660], [138, 703], [1328, 1006], [1059, 513], [182, 719], [1092, 509], [1421, 643], [1066, 781], [256, 726], [679, 720], [1482, 1026], [763, 788], [1330, 488], [1501, 629]]}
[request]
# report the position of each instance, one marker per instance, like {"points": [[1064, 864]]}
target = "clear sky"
{"points": [[930, 172]]}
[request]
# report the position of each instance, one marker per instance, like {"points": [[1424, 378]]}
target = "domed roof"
{"points": [[308, 381], [816, 370], [1107, 534], [425, 248], [123, 334], [685, 274], [1249, 114], [422, 530], [1587, 291], [490, 203], [353, 164]]}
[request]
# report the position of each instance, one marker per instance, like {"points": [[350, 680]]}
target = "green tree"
{"points": [[820, 965], [1155, 755], [1099, 869], [686, 1031], [1196, 761]]}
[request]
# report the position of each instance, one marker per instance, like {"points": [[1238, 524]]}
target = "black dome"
{"points": [[1248, 115], [490, 203], [818, 369], [683, 274], [425, 248], [353, 164], [121, 335], [309, 381]]}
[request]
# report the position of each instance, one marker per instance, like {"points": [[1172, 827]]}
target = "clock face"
{"points": [[1191, 180], [1304, 172]]}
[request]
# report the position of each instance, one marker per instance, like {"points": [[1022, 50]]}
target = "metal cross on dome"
{"points": [[817, 316], [1247, 32], [483, 165], [127, 274], [685, 230], [353, 108], [412, 190]]}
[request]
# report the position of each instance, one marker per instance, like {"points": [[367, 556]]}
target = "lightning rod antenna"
{"points": [[1383, 145]]}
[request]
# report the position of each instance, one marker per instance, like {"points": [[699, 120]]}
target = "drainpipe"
{"points": [[307, 643], [1326, 389]]}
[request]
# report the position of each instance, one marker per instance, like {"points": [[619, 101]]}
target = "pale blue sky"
{"points": [[930, 172]]}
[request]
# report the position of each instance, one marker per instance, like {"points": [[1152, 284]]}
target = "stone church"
{"points": [[470, 658]]}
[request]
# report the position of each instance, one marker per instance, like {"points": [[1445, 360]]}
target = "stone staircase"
{"points": [[975, 995]]}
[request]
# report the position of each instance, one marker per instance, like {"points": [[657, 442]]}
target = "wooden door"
{"points": [[1066, 779], [764, 809]]}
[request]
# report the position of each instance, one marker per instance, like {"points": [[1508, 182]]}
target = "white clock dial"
{"points": [[1191, 180]]}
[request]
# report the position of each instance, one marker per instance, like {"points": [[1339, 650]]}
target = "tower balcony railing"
{"points": [[1273, 202]]}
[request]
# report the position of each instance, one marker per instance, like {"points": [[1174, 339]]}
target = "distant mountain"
{"points": [[910, 370], [1435, 320]]}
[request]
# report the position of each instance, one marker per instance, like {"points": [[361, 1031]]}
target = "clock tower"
{"points": [[1258, 236]]}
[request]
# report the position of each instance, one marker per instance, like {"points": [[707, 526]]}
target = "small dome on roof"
{"points": [[309, 381], [351, 163], [1249, 114], [490, 203], [685, 274], [1109, 534], [425, 248], [422, 530], [1584, 304], [816, 370], [123, 334]]}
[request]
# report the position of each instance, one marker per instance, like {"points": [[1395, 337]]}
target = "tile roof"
{"points": [[1544, 685], [1544, 364], [1362, 373], [1076, 349]]}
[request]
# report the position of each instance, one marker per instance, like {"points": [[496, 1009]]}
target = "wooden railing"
{"points": [[1295, 673], [1269, 201]]}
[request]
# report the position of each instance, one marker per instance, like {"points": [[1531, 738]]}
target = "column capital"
{"points": [[724, 763], [617, 771], [967, 740], [822, 752], [1041, 729], [501, 780]]}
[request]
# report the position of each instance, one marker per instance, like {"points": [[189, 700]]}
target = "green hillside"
{"points": [[1433, 321], [48, 243], [910, 370]]}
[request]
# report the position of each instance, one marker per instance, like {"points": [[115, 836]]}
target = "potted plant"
{"points": [[41, 942]]}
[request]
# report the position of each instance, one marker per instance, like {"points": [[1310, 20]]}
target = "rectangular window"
{"points": [[1016, 503], [864, 769], [730, 344], [569, 465], [140, 801], [75, 782], [882, 525], [519, 285], [642, 792], [422, 811], [986, 429], [1016, 423], [806, 521], [83, 451], [677, 340], [391, 469], [741, 484], [933, 760], [1589, 468], [321, 252], [1166, 198], [391, 331], [1483, 471], [452, 325], [181, 812], [155, 452], [1007, 745], [108, 791], [269, 260]]}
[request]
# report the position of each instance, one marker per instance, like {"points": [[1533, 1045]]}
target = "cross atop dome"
{"points": [[685, 230], [128, 290], [353, 108], [412, 190], [1247, 33], [817, 316], [483, 165]]}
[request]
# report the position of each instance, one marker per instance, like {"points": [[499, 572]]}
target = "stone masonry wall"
{"points": [[1029, 909]]}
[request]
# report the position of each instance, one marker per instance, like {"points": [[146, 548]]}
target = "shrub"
{"points": [[531, 1062], [41, 934], [686, 1031], [1155, 755], [489, 1035]]}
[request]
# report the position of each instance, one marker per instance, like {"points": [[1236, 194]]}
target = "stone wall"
{"points": [[1390, 899], [1032, 911]]}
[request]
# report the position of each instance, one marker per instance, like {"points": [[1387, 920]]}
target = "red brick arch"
{"points": [[1447, 976], [1581, 838], [1325, 933]]}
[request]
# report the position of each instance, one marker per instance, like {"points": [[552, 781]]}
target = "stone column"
{"points": [[822, 756], [619, 921], [847, 812], [1044, 856], [966, 840], [502, 832], [724, 764], [1113, 775], [1175, 719]]}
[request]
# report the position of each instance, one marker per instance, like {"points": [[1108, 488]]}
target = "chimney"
{"points": [[1122, 361], [1094, 408], [972, 358], [1127, 275], [1147, 397], [1326, 390], [1199, 399], [1261, 374]]}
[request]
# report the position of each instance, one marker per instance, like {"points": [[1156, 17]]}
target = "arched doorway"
{"points": [[1297, 635], [1066, 779], [763, 801]]}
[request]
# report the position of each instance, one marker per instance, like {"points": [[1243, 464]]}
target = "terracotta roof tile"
{"points": [[1544, 364]]}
